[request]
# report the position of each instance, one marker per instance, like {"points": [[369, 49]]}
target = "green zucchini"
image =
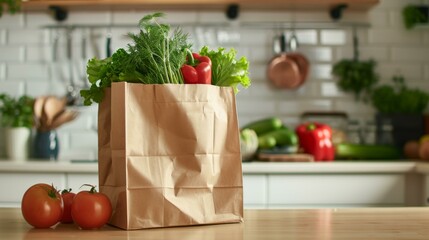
{"points": [[265, 125], [366, 152], [266, 142], [281, 137]]}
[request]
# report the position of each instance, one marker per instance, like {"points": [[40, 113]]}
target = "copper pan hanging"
{"points": [[300, 59], [282, 71]]}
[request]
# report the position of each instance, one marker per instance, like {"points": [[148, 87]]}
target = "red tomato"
{"points": [[90, 209], [67, 196], [42, 206]]}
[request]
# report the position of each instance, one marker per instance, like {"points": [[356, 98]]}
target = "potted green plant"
{"points": [[354, 75], [12, 6], [357, 77], [413, 15], [17, 120], [401, 107]]}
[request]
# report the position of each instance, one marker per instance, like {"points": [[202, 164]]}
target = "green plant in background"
{"points": [[16, 112], [357, 77], [12, 6], [412, 15], [398, 98]]}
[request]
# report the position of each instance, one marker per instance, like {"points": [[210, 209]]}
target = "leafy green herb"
{"points": [[412, 16], [155, 57], [356, 76], [12, 5], [16, 112], [226, 70], [399, 98]]}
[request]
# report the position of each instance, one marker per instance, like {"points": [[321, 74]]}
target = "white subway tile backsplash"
{"points": [[330, 89], [3, 36], [297, 108], [2, 71], [394, 36], [13, 88], [36, 88], [11, 53], [378, 19], [27, 71], [354, 109], [257, 54], [27, 36], [408, 70], [304, 36], [259, 106], [13, 21], [254, 37], [320, 71], [88, 17], [83, 140], [317, 54], [410, 54], [377, 53], [333, 37], [258, 71], [39, 20], [38, 53]]}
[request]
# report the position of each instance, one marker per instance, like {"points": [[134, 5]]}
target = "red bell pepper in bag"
{"points": [[315, 139], [197, 70]]}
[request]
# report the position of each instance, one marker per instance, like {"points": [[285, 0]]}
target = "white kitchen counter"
{"points": [[265, 184], [248, 167]]}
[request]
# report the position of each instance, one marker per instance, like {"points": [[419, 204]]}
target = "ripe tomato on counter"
{"points": [[68, 197], [42, 206], [91, 209]]}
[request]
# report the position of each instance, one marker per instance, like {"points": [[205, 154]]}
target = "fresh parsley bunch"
{"points": [[154, 57]]}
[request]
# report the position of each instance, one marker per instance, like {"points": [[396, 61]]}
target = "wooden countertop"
{"points": [[357, 223]]}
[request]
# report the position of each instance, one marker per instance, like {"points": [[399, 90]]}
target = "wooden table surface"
{"points": [[358, 223]]}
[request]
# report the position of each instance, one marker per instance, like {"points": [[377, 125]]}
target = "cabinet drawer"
{"points": [[337, 189], [254, 190], [15, 184]]}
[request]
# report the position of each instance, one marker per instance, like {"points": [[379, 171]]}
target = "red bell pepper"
{"points": [[316, 139], [197, 70]]}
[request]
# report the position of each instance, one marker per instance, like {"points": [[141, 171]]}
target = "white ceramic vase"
{"points": [[17, 141]]}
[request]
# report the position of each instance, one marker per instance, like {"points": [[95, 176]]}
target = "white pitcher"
{"points": [[17, 141]]}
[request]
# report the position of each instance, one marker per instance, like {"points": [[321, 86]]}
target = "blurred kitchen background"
{"points": [[34, 57]]}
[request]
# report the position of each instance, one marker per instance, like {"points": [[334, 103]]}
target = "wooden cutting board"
{"points": [[294, 157]]}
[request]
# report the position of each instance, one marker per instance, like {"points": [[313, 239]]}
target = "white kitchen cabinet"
{"points": [[345, 190], [265, 185], [255, 191]]}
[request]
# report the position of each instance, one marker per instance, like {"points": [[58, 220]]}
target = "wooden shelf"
{"points": [[275, 5]]}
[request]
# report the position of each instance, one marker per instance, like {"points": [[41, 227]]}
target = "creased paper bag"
{"points": [[169, 155]]}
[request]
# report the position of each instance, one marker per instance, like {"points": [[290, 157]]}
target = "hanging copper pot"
{"points": [[283, 71]]}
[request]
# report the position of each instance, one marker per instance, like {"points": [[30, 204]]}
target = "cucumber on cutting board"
{"points": [[366, 152], [265, 125], [279, 137]]}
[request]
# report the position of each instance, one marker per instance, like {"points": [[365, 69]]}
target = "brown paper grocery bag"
{"points": [[169, 155]]}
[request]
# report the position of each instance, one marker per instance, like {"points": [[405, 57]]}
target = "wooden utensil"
{"points": [[283, 71], [53, 106], [64, 117], [38, 110]]}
